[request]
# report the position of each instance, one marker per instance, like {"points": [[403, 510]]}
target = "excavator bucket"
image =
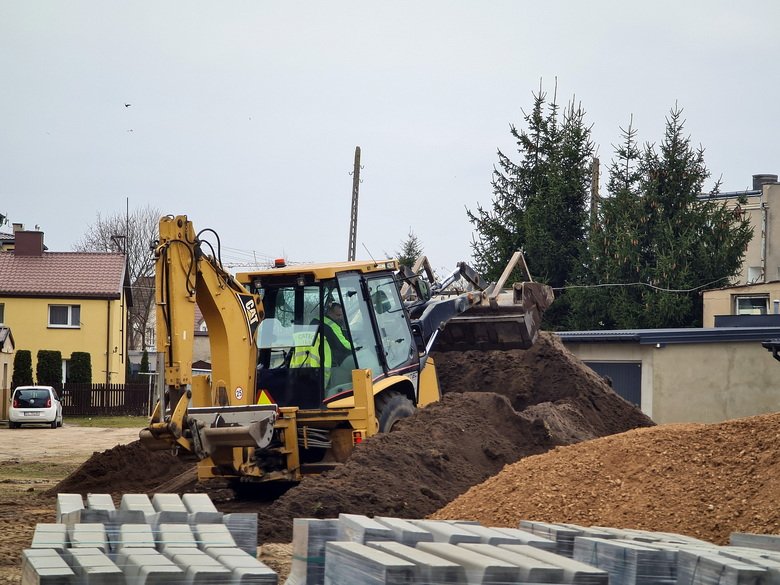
{"points": [[486, 316], [498, 325]]}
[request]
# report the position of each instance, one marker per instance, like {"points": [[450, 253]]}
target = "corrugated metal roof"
{"points": [[62, 274], [668, 336]]}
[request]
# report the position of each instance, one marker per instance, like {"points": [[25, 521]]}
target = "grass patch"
{"points": [[114, 422], [34, 470]]}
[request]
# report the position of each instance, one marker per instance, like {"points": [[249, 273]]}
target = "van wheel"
{"points": [[54, 424], [14, 425], [391, 407]]}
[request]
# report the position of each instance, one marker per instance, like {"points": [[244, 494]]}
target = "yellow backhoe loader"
{"points": [[309, 360]]}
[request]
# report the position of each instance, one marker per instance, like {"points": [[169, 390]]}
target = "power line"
{"points": [[647, 284]]}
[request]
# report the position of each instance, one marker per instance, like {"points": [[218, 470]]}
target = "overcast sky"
{"points": [[245, 115]]}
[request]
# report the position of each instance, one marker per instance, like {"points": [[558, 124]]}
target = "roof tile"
{"points": [[67, 274]]}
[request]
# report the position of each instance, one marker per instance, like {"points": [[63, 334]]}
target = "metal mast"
{"points": [[354, 211]]}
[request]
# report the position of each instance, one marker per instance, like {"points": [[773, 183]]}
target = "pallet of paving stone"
{"points": [[563, 536], [353, 563], [762, 541], [628, 563], [711, 568], [310, 536]]}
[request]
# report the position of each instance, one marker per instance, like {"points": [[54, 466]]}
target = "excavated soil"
{"points": [[702, 480], [499, 407]]}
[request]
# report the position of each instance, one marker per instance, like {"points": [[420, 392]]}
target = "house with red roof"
{"points": [[66, 301]]}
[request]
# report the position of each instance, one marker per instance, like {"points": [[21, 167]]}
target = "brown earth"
{"points": [[702, 480], [432, 457]]}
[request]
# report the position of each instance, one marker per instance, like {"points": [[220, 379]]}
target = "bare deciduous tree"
{"points": [[131, 234]]}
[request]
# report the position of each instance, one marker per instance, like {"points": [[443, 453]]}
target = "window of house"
{"points": [[755, 305], [151, 337], [2, 313], [65, 316]]}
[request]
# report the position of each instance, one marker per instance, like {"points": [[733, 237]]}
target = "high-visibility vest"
{"points": [[308, 356]]}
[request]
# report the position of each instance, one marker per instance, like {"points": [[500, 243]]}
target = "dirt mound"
{"points": [[703, 480], [547, 381], [430, 459], [122, 469]]}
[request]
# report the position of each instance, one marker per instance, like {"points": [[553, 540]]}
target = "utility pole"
{"points": [[353, 217]]}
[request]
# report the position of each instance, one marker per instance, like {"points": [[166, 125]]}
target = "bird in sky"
{"points": [[128, 105]]}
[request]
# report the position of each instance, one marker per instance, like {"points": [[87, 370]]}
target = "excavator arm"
{"points": [[204, 414]]}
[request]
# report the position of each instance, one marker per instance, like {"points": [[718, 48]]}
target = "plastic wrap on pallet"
{"points": [[710, 568], [479, 568], [531, 570], [308, 561], [359, 528], [573, 571], [404, 531], [626, 562], [754, 556], [563, 536], [353, 563], [763, 541], [448, 532], [526, 537], [144, 553], [431, 569]]}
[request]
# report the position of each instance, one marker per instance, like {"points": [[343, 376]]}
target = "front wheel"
{"points": [[392, 406]]}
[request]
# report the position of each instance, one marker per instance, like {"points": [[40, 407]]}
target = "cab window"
{"points": [[394, 331]]}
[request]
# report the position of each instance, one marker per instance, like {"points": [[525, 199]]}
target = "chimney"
{"points": [[28, 243], [761, 180], [18, 227]]}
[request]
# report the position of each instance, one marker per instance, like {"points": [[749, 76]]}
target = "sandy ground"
{"points": [[68, 443], [33, 459]]}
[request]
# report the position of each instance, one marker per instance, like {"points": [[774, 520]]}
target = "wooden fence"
{"points": [[105, 399]]}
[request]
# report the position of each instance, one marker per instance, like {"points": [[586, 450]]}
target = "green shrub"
{"points": [[48, 370], [22, 369], [80, 371]]}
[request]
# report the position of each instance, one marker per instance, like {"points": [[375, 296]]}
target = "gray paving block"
{"points": [[168, 503], [89, 535], [201, 509], [404, 531], [448, 532], [45, 567], [709, 567], [50, 536], [573, 571], [491, 535], [175, 536], [763, 541], [431, 569], [67, 504], [243, 528], [529, 538], [754, 556], [149, 567], [353, 563], [93, 567], [359, 528], [213, 536], [479, 568], [140, 502], [591, 531], [531, 570], [101, 502], [628, 562], [199, 568], [563, 536], [247, 570], [308, 561], [135, 536]]}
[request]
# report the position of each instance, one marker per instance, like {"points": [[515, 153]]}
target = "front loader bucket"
{"points": [[498, 325]]}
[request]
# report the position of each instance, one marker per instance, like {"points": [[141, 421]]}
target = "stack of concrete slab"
{"points": [[165, 539], [628, 562]]}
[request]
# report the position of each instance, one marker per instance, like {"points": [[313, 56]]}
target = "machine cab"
{"points": [[321, 325]]}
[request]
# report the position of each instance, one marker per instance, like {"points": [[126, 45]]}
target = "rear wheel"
{"points": [[392, 406], [54, 424], [14, 425]]}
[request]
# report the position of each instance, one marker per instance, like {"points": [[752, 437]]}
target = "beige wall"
{"points": [[704, 382], [100, 334], [722, 301]]}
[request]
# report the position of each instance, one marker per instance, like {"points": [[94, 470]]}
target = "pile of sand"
{"points": [[703, 480]]}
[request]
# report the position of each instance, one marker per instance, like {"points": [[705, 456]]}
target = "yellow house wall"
{"points": [[100, 334], [704, 382], [722, 301]]}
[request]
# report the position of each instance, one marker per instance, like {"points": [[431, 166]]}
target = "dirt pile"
{"points": [[546, 381], [703, 480], [519, 403], [122, 469]]}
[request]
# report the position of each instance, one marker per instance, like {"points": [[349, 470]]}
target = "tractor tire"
{"points": [[391, 407]]}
